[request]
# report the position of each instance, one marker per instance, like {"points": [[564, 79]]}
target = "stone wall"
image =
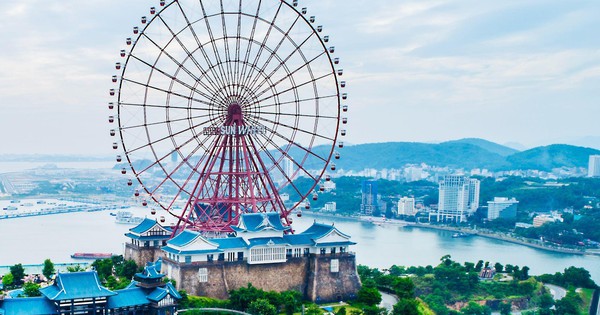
{"points": [[309, 275], [142, 255]]}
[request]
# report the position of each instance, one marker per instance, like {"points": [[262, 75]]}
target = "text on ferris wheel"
{"points": [[234, 130]]}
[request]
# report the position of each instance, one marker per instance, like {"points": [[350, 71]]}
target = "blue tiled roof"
{"points": [[128, 297], [151, 271], [75, 285], [299, 239], [230, 242], [189, 252], [261, 241], [148, 238], [160, 293], [254, 222], [28, 306], [184, 238], [318, 229], [144, 226], [336, 244]]}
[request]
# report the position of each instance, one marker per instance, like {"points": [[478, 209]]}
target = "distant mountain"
{"points": [[466, 153], [548, 157], [487, 145]]}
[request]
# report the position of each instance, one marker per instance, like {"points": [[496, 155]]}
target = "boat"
{"points": [[91, 255], [126, 217], [461, 234]]}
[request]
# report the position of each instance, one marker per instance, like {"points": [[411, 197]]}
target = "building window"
{"points": [[342, 250], [323, 251], [188, 259], [306, 252], [240, 256], [209, 257], [221, 256], [333, 250], [267, 254], [335, 265], [203, 275]]}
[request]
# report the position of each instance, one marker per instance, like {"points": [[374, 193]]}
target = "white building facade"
{"points": [[406, 206], [503, 208], [458, 198], [594, 166]]}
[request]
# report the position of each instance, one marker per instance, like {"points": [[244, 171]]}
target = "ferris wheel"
{"points": [[228, 107]]}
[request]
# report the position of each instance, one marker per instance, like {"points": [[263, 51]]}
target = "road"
{"points": [[388, 301], [556, 291]]}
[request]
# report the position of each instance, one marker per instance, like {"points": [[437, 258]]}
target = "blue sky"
{"points": [[507, 71]]}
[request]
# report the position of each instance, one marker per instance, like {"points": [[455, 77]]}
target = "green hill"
{"points": [[548, 157], [465, 153], [487, 145]]}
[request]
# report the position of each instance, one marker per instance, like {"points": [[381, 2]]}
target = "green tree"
{"points": [[18, 273], [291, 301], [31, 289], [498, 266], [313, 309], [76, 268], [569, 304], [404, 288], [368, 296], [406, 307], [374, 310], [8, 280], [546, 301], [48, 270], [103, 267], [241, 298], [262, 307], [341, 311], [469, 266], [479, 266], [505, 308], [579, 277], [127, 269], [475, 309]]}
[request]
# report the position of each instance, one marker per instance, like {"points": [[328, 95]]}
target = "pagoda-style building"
{"points": [[147, 239], [261, 251], [82, 293]]}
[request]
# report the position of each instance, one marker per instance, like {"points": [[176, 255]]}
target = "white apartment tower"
{"points": [[594, 166], [406, 206], [458, 198]]}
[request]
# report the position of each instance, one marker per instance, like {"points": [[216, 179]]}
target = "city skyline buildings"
{"points": [[502, 207], [427, 52], [458, 198]]}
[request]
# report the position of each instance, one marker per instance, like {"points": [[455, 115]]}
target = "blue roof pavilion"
{"points": [[76, 285]]}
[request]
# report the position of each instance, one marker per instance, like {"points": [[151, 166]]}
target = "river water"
{"points": [[30, 240]]}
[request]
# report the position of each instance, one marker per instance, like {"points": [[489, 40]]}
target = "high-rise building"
{"points": [[406, 206], [594, 166], [289, 167], [368, 204], [458, 198], [502, 208]]}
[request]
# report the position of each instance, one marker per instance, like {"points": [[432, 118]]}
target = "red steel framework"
{"points": [[223, 105]]}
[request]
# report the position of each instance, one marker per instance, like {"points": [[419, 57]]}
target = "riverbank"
{"points": [[467, 232]]}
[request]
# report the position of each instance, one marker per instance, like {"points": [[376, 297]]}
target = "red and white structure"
{"points": [[216, 101]]}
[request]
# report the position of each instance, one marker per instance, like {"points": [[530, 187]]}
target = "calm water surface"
{"points": [[33, 239]]}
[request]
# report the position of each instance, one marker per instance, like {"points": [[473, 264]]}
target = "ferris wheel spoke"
{"points": [[295, 128], [180, 65], [249, 47], [291, 74], [262, 46], [289, 141], [164, 122], [216, 76], [261, 106], [184, 162], [267, 152], [174, 78], [294, 88], [166, 106], [299, 115], [238, 47], [170, 136], [168, 92], [213, 43], [286, 35], [229, 71]]}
